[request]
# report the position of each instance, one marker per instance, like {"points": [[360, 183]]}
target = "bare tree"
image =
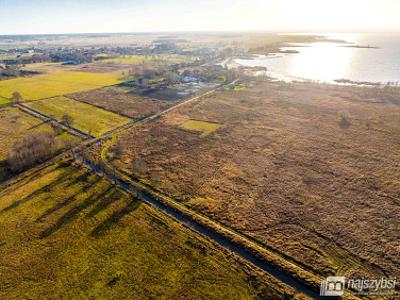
{"points": [[149, 73], [16, 97], [171, 77], [32, 149], [56, 127], [67, 120], [344, 120]]}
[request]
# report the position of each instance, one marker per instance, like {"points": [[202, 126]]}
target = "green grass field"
{"points": [[86, 118], [66, 233], [7, 56], [56, 84], [14, 124], [4, 101], [205, 128], [236, 88], [15, 55]]}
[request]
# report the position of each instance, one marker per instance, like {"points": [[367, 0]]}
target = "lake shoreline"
{"points": [[333, 60]]}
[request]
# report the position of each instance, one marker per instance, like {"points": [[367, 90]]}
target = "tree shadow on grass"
{"points": [[23, 181], [44, 189], [113, 219], [67, 201], [38, 125], [73, 213], [81, 178], [114, 196]]}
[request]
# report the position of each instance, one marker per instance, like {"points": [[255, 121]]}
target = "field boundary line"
{"points": [[304, 282], [99, 107], [87, 142], [42, 116]]}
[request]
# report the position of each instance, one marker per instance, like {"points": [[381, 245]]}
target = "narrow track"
{"points": [[197, 227], [244, 253], [282, 276], [44, 117]]}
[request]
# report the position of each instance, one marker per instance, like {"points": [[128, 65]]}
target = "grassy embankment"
{"points": [[67, 233]]}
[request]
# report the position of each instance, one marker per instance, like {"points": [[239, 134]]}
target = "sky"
{"points": [[84, 16]]}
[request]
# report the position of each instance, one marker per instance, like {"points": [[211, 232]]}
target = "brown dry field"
{"points": [[283, 169], [112, 99]]}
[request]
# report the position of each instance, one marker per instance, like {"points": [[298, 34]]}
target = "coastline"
{"points": [[290, 78], [331, 64]]}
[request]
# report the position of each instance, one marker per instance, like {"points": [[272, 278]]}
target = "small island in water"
{"points": [[361, 46], [354, 82]]}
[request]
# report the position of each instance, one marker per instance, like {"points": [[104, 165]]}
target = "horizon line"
{"points": [[355, 30]]}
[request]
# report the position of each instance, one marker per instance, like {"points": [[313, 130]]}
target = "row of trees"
{"points": [[59, 55], [77, 56], [22, 60], [38, 146], [32, 149], [9, 72], [16, 97], [12, 71]]}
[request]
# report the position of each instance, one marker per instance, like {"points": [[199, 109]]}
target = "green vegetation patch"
{"points": [[84, 117], [4, 101], [234, 87], [56, 84], [239, 88], [69, 233], [15, 56], [205, 128]]}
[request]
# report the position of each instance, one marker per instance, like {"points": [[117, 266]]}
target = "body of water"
{"points": [[327, 62]]}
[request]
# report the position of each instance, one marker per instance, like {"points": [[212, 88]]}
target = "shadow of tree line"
{"points": [[44, 189], [101, 201]]}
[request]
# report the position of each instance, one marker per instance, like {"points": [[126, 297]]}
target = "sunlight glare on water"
{"points": [[322, 61], [330, 61]]}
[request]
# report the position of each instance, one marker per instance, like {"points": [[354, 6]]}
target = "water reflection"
{"points": [[330, 61], [322, 61]]}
